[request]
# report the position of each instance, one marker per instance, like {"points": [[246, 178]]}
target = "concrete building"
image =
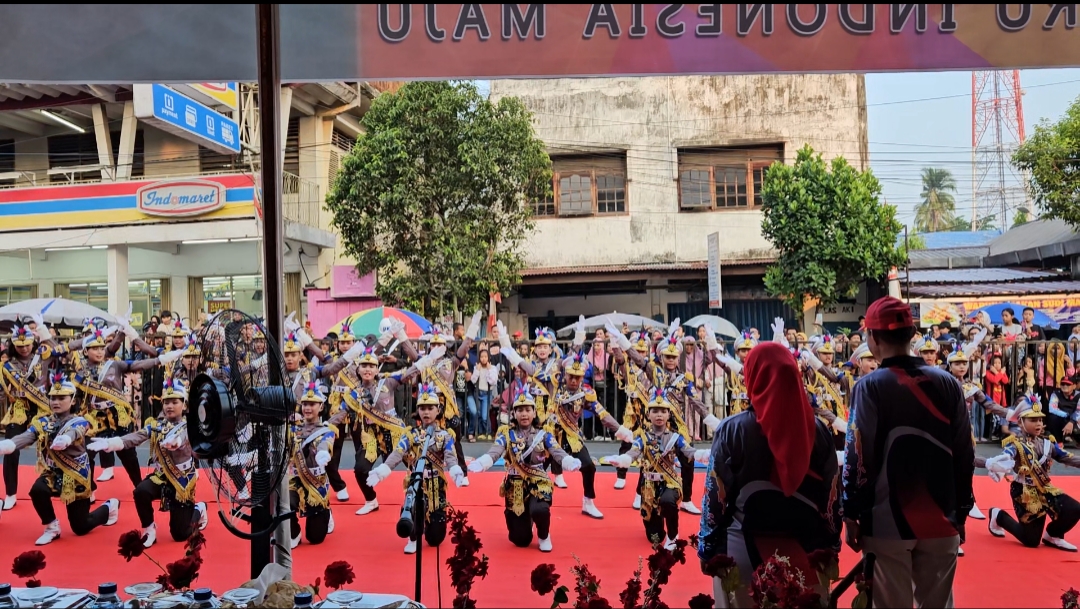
{"points": [[646, 168], [98, 201]]}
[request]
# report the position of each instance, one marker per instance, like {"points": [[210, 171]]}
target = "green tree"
{"points": [[830, 230], [960, 223], [938, 206], [1020, 218], [1051, 158], [436, 195], [914, 242]]}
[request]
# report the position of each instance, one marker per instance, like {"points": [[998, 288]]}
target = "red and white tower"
{"points": [[997, 128]]}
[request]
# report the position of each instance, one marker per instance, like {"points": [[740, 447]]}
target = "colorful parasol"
{"points": [[367, 322]]}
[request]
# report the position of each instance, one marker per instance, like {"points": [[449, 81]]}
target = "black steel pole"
{"points": [[273, 227]]}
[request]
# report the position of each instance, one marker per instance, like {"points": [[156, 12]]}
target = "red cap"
{"points": [[889, 314]]}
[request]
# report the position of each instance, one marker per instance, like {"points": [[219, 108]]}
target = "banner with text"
{"points": [[193, 43], [1062, 308]]}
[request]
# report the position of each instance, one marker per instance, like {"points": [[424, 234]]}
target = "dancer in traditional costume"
{"points": [[108, 410], [174, 469], [341, 385], [928, 350], [627, 374], [63, 465], [526, 489], [435, 445], [657, 447], [663, 373], [1029, 455], [24, 382], [309, 487]]}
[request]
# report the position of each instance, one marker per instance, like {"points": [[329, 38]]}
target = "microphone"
{"points": [[405, 523]]}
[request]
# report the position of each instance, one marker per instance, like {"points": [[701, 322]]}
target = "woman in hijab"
{"points": [[772, 485]]}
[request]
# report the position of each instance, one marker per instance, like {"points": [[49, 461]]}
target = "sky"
{"points": [[923, 119]]}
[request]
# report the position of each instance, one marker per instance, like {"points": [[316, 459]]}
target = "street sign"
{"points": [[222, 95], [715, 301], [184, 117]]}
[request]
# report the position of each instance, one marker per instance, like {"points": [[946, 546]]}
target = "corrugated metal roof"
{"points": [[995, 289], [625, 268], [1034, 234], [990, 275], [945, 253]]}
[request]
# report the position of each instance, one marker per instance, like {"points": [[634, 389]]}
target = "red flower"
{"points": [[1071, 599], [466, 563], [544, 579], [598, 603], [631, 595], [33, 583], [163, 581], [196, 543], [338, 574], [183, 572], [131, 545], [701, 601], [28, 564], [718, 565]]}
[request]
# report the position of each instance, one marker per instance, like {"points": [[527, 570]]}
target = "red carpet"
{"points": [[610, 547]]}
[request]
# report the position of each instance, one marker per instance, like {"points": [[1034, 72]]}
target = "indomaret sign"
{"points": [[192, 43]]}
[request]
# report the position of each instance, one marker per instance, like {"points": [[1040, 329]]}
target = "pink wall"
{"points": [[347, 284], [325, 311]]}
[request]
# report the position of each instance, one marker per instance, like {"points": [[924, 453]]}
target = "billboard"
{"points": [[192, 43], [1061, 308], [171, 111]]}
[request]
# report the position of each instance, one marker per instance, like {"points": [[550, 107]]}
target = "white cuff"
{"points": [[43, 333], [303, 338], [623, 434], [6, 447], [512, 357], [322, 458], [712, 422], [621, 461], [116, 444], [840, 425], [702, 456], [485, 462], [383, 472], [571, 464], [456, 474]]}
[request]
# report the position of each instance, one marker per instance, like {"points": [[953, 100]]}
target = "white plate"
{"points": [[36, 595]]}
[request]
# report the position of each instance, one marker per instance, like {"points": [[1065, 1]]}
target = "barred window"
{"points": [[724, 178], [586, 185]]}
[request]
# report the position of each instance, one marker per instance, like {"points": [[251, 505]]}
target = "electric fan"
{"points": [[238, 424]]}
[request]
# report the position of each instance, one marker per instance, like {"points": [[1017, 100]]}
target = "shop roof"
{"points": [[622, 268], [1034, 241], [1020, 288], [979, 275], [949, 239]]}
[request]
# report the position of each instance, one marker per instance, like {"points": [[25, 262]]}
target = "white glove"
{"points": [[170, 356], [398, 328], [43, 333], [387, 334], [291, 325], [172, 444], [6, 447], [778, 331], [260, 362], [579, 331], [505, 346], [481, 464], [711, 422], [60, 443], [354, 352], [130, 332], [732, 365], [810, 359], [571, 464], [302, 338], [105, 445], [621, 461], [431, 358], [615, 334], [457, 475], [702, 456], [378, 474], [1000, 466], [322, 458], [710, 339], [125, 319], [623, 434], [474, 327], [971, 391], [839, 425]]}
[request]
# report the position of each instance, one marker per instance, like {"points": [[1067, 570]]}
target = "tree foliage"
{"points": [[1051, 157], [938, 208], [960, 223], [1020, 218], [436, 196], [829, 228]]}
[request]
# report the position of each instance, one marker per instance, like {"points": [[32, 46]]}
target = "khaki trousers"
{"points": [[913, 572]]}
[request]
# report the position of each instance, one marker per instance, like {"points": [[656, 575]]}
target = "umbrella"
{"points": [[598, 321], [55, 311], [367, 322], [719, 325], [994, 311]]}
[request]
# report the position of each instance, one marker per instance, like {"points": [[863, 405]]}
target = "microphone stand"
{"points": [[415, 507]]}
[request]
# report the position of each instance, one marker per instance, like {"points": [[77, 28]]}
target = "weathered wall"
{"points": [[650, 118]]}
